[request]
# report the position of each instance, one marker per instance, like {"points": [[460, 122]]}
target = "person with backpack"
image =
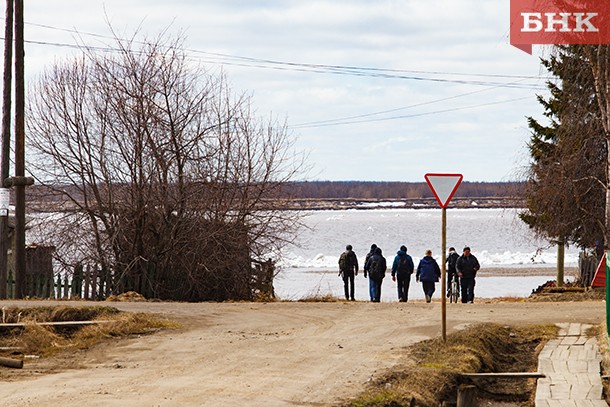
{"points": [[368, 255], [451, 271], [348, 269], [467, 266], [428, 273], [375, 266], [402, 268]]}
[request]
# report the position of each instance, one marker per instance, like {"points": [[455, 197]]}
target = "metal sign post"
{"points": [[443, 187]]}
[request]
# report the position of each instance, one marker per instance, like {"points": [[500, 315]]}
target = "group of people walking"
{"points": [[463, 267]]}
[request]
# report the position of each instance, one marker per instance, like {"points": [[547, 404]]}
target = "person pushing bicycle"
{"points": [[451, 271]]}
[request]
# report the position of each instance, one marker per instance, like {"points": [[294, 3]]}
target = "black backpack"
{"points": [[343, 262], [403, 264], [375, 271]]}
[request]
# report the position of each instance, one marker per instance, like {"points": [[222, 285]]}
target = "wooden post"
{"points": [[58, 291], [561, 247], [66, 287], [94, 285], [87, 272], [6, 139], [467, 396], [44, 289], [38, 289], [10, 285], [19, 152], [102, 290], [16, 363]]}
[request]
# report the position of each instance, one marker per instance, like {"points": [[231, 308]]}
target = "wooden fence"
{"points": [[92, 282], [587, 264], [88, 283]]}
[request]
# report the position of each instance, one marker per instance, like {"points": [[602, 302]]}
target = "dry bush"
{"points": [[55, 314], [40, 340], [46, 340], [320, 298]]}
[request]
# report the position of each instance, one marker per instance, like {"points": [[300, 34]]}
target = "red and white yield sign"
{"points": [[443, 186]]}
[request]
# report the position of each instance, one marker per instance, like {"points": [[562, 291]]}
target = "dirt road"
{"points": [[255, 354]]}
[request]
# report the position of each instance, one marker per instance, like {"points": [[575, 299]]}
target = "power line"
{"points": [[262, 63], [384, 73], [342, 119], [412, 115]]}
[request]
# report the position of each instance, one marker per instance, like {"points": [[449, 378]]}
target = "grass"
{"points": [[432, 369], [321, 298], [46, 340], [570, 291]]}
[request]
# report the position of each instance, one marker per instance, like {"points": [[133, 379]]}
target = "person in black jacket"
{"points": [[428, 273], [348, 269], [368, 256], [451, 271], [375, 266], [467, 266]]}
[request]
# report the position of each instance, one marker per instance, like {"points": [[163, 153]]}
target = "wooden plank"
{"points": [[505, 375], [60, 323], [15, 363], [467, 396]]}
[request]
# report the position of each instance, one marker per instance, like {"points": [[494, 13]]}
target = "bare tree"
{"points": [[165, 170]]}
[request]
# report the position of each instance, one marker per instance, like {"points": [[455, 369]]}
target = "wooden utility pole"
{"points": [[5, 148], [18, 181]]}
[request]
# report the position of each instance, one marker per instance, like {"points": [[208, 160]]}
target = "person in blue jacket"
{"points": [[402, 268], [428, 272]]}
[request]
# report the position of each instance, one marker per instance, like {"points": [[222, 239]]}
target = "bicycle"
{"points": [[454, 291]]}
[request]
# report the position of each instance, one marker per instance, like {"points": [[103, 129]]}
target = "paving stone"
{"points": [[581, 340], [595, 392], [560, 365], [591, 343], [593, 366], [576, 353], [545, 366], [580, 392], [543, 389], [578, 366], [575, 329]]}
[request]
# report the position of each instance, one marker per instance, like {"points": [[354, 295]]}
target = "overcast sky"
{"points": [[447, 92]]}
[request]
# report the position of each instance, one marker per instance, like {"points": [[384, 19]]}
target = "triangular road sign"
{"points": [[443, 186]]}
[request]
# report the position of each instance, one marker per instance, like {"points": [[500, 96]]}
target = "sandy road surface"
{"points": [[254, 354]]}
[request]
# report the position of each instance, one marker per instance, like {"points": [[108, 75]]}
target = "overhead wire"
{"points": [[454, 109], [384, 73], [264, 63]]}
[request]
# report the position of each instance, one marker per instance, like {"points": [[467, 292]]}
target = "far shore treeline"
{"points": [[397, 190], [487, 194]]}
